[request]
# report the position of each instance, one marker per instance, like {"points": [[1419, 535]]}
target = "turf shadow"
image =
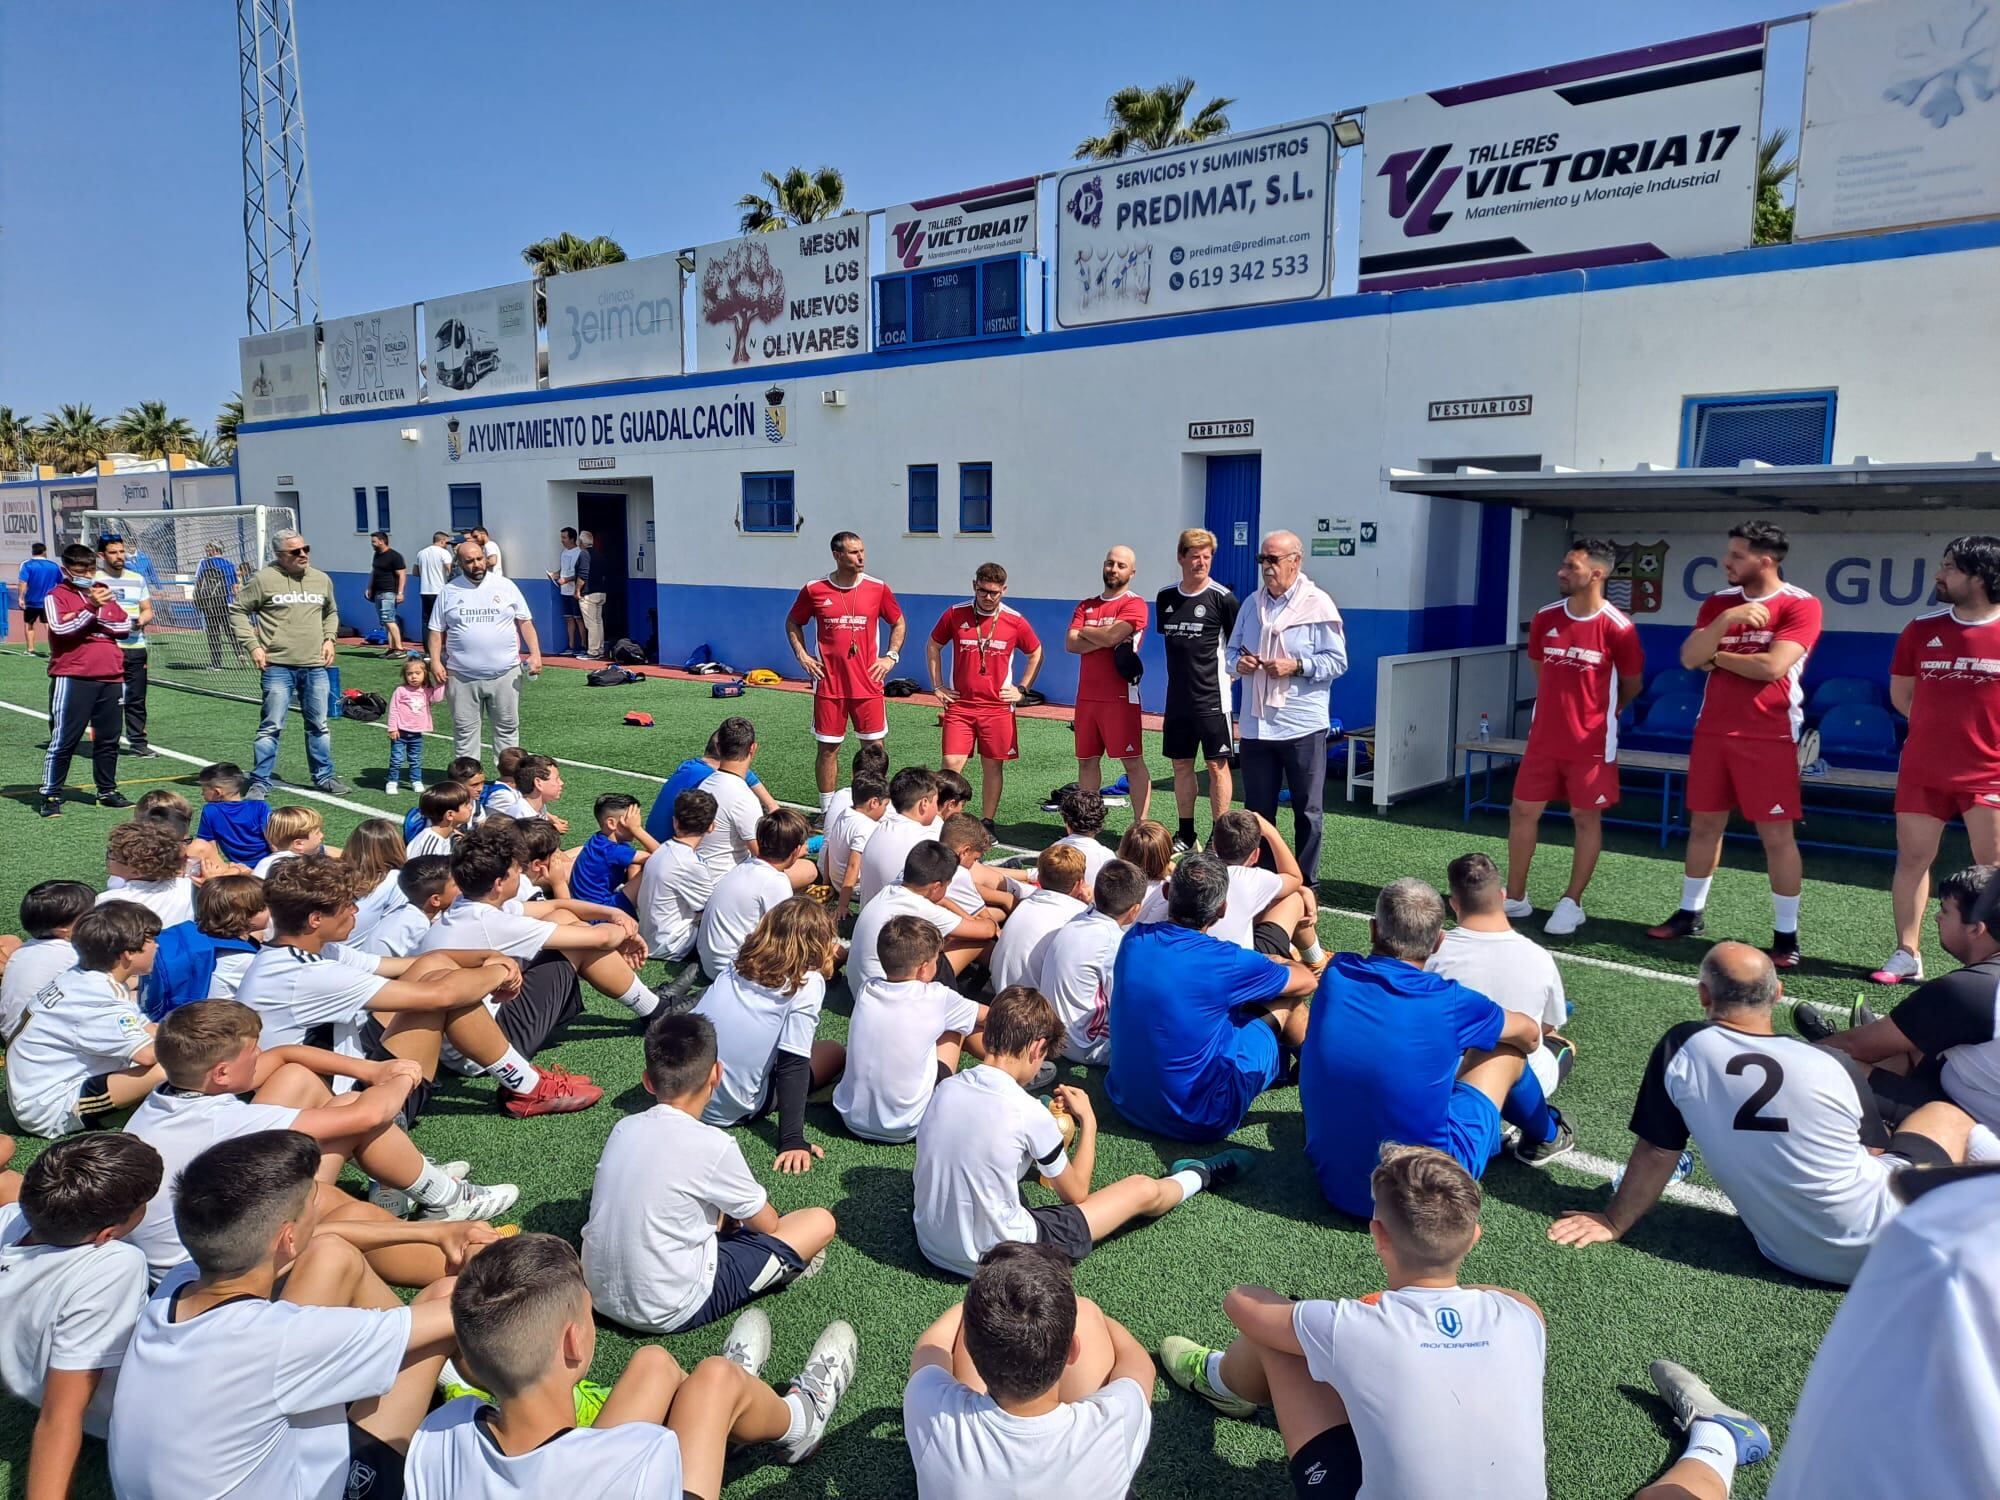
{"points": [[562, 1217], [874, 1219], [863, 1443]]}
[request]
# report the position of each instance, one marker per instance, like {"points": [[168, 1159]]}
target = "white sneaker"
{"points": [[474, 1202], [417, 787], [1518, 910], [1565, 919], [397, 1203], [749, 1342], [392, 788], [1902, 965], [825, 1379]]}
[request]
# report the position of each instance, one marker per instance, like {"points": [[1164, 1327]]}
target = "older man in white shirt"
{"points": [[1287, 647], [473, 627]]}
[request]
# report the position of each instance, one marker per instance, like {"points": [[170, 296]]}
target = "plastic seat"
{"points": [[1668, 724], [1858, 737], [1673, 682], [1836, 691]]}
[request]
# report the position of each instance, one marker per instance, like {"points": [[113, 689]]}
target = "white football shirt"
{"points": [[66, 1308], [1095, 855], [752, 1026], [847, 836], [674, 887], [892, 1062], [294, 991], [963, 1444], [480, 625], [473, 925], [649, 1249], [430, 840], [864, 956], [727, 844], [980, 1136], [735, 907], [80, 1024], [180, 1126], [884, 851], [32, 966], [507, 801], [1513, 971], [453, 1457], [1017, 955], [1075, 978], [172, 899], [385, 897]]}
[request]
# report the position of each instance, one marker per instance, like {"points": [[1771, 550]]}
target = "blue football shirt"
{"points": [[1379, 1064], [39, 574], [688, 775], [237, 829], [1188, 1055], [598, 873]]}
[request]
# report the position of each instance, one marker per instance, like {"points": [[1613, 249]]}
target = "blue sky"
{"points": [[446, 136]]}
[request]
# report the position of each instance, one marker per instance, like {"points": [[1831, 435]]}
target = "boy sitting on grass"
{"points": [[607, 868], [905, 1037], [983, 1133], [978, 888], [293, 831], [849, 826], [1025, 1388], [675, 884], [424, 890], [208, 957], [71, 1289], [1428, 1388], [231, 819], [149, 863], [680, 1234], [446, 808], [48, 915], [525, 1334], [85, 1051]]}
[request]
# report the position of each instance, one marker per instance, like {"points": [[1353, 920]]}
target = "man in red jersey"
{"points": [[849, 607], [1588, 667], [1945, 677], [1107, 700], [1752, 638], [87, 679], [983, 635]]}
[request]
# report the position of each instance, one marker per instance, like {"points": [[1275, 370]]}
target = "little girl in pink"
{"points": [[409, 721]]}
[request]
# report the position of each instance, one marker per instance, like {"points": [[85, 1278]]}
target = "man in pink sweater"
{"points": [[87, 680]]}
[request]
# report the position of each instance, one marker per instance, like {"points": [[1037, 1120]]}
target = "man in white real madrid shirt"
{"points": [[473, 627], [1788, 1130]]}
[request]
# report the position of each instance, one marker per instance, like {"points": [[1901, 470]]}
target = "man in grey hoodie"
{"points": [[286, 618]]}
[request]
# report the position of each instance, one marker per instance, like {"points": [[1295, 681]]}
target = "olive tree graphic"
{"points": [[741, 287]]}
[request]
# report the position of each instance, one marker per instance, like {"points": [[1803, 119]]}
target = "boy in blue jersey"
{"points": [[39, 574], [1199, 1026], [231, 819], [606, 868], [1397, 1054]]}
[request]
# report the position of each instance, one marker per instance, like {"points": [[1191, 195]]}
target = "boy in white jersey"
{"points": [[850, 824], [1025, 1388], [1083, 819], [1064, 879], [1788, 1130], [1428, 1388], [525, 1334], [926, 877], [977, 889], [71, 1288], [746, 892], [314, 1392], [1078, 960], [448, 809], [425, 891], [905, 1037], [675, 885], [48, 914], [147, 863]]}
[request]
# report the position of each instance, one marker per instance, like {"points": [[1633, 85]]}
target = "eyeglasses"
{"points": [[294, 551], [1266, 560]]}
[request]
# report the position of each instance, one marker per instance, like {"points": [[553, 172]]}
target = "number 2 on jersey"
{"points": [[1748, 1118]]}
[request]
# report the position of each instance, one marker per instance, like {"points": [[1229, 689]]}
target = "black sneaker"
{"points": [[988, 825], [143, 752], [1682, 924], [114, 799], [51, 807], [1184, 847], [1810, 1022], [1784, 951], [1541, 1153]]}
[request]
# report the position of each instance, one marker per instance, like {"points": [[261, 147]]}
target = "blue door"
{"points": [[1235, 482]]}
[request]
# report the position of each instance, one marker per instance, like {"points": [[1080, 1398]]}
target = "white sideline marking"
{"points": [[1692, 1194]]}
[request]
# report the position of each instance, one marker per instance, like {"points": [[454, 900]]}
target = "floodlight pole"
{"points": [[282, 268]]}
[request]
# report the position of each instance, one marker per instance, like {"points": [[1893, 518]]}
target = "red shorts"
{"points": [[985, 727], [1758, 778], [1106, 729], [831, 716], [1943, 802], [1580, 780]]}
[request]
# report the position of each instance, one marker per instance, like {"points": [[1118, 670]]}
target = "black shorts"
{"points": [[1063, 1226], [1328, 1467], [374, 1469], [1897, 1096], [572, 609], [1271, 939], [33, 614], [93, 1100], [1917, 1150], [748, 1263], [1182, 734]]}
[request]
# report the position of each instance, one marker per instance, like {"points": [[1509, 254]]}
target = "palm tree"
{"points": [[566, 252], [1154, 119], [798, 197], [1773, 217], [226, 422], [207, 452], [17, 441], [73, 438], [149, 432]]}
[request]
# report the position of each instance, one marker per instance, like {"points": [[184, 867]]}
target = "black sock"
{"points": [[1186, 831]]}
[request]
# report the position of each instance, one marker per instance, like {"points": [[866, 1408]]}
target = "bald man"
{"points": [[473, 630], [1105, 631], [1286, 648], [1788, 1130]]}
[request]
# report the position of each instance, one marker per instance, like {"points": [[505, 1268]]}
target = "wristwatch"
{"points": [[892, 657]]}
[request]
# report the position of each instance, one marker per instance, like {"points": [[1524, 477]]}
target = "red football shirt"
{"points": [[1738, 707], [982, 649], [1097, 679], [1583, 663], [850, 627], [1955, 713]]}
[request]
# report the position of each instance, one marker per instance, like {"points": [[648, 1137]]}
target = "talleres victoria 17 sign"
{"points": [[1642, 155]]}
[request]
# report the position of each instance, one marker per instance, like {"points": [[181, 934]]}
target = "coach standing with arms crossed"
{"points": [[1287, 647], [286, 618], [474, 624]]}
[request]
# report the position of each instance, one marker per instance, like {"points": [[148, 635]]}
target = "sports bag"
{"points": [[628, 652], [362, 708], [611, 677]]}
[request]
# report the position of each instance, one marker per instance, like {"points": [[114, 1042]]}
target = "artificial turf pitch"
{"points": [[1688, 1284]]}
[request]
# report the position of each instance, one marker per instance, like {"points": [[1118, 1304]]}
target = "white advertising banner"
{"points": [[371, 360], [1229, 223], [590, 437], [1003, 219], [1643, 155], [20, 528], [796, 294], [617, 322], [280, 374], [133, 492], [1902, 118], [481, 343]]}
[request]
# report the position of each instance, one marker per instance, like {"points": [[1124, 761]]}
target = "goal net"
{"points": [[194, 561]]}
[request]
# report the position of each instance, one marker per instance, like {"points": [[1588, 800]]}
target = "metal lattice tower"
{"points": [[277, 187]]}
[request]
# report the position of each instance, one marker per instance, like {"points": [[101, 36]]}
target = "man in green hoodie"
{"points": [[286, 618]]}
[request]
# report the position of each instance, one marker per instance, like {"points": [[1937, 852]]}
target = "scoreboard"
{"points": [[981, 299]]}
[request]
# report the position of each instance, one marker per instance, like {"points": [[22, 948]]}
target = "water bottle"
{"points": [[1485, 729]]}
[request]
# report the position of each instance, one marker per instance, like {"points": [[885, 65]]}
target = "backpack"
{"points": [[899, 687], [362, 708], [611, 677], [413, 823], [628, 652], [185, 968]]}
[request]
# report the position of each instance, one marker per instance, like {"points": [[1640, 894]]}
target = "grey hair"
{"points": [[1197, 891], [279, 538], [1726, 992], [1409, 915]]}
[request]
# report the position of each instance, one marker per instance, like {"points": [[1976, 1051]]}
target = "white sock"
{"points": [[802, 1416], [1784, 912], [641, 1001], [1213, 1375], [1710, 1443], [1982, 1145], [433, 1189], [1190, 1182], [516, 1074], [1312, 954], [1694, 893]]}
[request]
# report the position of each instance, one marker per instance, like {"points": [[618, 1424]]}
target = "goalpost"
{"points": [[195, 561]]}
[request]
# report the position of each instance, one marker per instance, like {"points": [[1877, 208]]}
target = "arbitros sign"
{"points": [[620, 322]]}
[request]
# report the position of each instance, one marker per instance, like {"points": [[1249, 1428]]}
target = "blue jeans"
{"points": [[281, 686], [406, 756]]}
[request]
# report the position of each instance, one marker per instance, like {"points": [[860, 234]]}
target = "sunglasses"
{"points": [[1268, 561], [295, 551]]}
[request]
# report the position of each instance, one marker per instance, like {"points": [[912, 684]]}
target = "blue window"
{"points": [[767, 503], [468, 509], [381, 507], [361, 507], [923, 498], [975, 497], [1791, 427]]}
